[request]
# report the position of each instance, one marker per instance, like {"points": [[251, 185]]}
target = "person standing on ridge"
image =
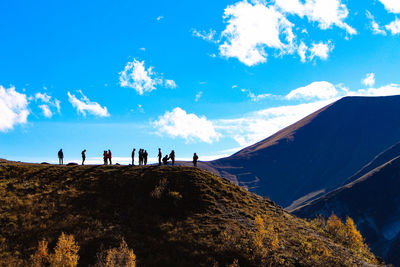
{"points": [[195, 158], [109, 156], [159, 157], [60, 157], [83, 156], [172, 157], [140, 157], [145, 155], [133, 156], [105, 157]]}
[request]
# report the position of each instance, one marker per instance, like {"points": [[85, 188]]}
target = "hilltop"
{"points": [[169, 216], [318, 153]]}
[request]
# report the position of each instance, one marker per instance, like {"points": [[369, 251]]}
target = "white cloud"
{"points": [[198, 96], [391, 5], [170, 84], [387, 90], [254, 97], [13, 108], [317, 90], [252, 28], [375, 27], [45, 98], [84, 105], [159, 18], [46, 110], [326, 12], [394, 26], [207, 36], [302, 51], [369, 80], [321, 50], [256, 126], [178, 123], [136, 76]]}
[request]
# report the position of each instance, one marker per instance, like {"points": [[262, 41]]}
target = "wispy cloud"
{"points": [[198, 96], [369, 80], [48, 102], [159, 18], [84, 105], [205, 35]]}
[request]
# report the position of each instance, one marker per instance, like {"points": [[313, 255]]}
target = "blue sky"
{"points": [[209, 77]]}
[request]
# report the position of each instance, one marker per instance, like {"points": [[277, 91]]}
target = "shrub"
{"points": [[159, 189], [354, 237], [41, 256], [65, 252], [115, 257], [335, 227]]}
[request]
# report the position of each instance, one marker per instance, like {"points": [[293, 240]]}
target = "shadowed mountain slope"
{"points": [[169, 216], [373, 201], [318, 153]]}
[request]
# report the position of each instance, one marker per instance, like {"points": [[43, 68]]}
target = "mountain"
{"points": [[373, 202], [169, 216], [318, 153]]}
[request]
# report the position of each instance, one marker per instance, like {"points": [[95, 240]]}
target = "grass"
{"points": [[169, 216]]}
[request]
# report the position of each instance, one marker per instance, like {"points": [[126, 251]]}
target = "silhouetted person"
{"points": [[109, 156], [105, 157], [133, 156], [140, 156], [172, 157], [145, 155], [60, 157], [195, 158], [159, 157], [83, 156], [165, 160]]}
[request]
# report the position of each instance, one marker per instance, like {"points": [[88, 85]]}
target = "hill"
{"points": [[318, 153], [169, 216], [372, 201]]}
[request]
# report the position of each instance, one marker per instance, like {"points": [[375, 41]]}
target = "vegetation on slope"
{"points": [[169, 216]]}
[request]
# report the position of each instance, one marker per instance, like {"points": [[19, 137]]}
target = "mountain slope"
{"points": [[169, 216], [318, 153], [373, 202], [383, 157]]}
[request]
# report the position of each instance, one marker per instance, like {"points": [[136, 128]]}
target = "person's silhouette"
{"points": [[140, 156], [105, 157], [60, 157], [145, 154], [195, 158], [159, 157], [172, 157], [109, 156], [165, 160], [83, 156], [133, 157]]}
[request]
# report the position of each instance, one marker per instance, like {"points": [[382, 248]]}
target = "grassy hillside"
{"points": [[373, 202], [169, 216]]}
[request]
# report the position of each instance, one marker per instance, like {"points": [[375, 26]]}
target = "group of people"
{"points": [[165, 159], [107, 156], [142, 156]]}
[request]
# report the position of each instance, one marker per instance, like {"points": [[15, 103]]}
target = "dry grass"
{"points": [[169, 216]]}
